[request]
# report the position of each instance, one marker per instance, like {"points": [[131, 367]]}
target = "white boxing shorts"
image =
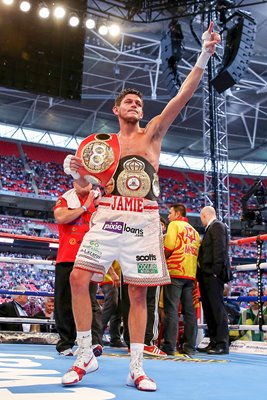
{"points": [[126, 229]]}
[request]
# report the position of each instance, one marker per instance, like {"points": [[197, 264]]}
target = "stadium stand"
{"points": [[30, 169]]}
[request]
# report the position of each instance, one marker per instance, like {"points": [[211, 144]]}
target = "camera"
{"points": [[254, 207]]}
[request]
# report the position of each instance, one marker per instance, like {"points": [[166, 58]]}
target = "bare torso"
{"points": [[142, 143]]}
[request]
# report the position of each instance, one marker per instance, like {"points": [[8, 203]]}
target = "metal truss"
{"points": [[149, 11], [139, 53], [144, 11], [132, 52], [215, 146]]}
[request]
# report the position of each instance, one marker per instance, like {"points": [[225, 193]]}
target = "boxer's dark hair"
{"points": [[124, 93]]}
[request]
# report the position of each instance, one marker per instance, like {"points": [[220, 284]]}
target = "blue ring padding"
{"points": [[247, 298], [98, 296]]}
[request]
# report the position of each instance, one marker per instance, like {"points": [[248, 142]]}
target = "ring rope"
{"points": [[36, 293], [238, 242], [249, 267], [250, 239], [16, 260], [246, 299], [27, 320], [47, 294], [27, 237], [239, 327], [27, 292]]}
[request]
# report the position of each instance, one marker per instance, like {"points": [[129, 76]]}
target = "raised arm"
{"points": [[189, 86]]}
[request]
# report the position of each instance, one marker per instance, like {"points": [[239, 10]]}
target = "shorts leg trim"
{"points": [[98, 271], [160, 281]]}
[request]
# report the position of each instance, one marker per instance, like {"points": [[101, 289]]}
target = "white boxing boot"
{"points": [[137, 376], [85, 363]]}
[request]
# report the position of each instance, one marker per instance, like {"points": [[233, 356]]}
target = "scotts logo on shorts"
{"points": [[147, 268], [149, 257], [120, 227]]}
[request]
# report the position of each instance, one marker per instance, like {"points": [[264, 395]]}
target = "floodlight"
{"points": [[114, 30], [8, 2], [90, 23], [74, 20], [43, 11], [25, 6], [59, 12], [103, 30]]}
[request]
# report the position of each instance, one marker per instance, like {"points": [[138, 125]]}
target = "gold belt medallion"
{"points": [[97, 156], [133, 181]]}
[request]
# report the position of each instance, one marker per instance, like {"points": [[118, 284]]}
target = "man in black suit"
{"points": [[15, 309], [213, 263]]}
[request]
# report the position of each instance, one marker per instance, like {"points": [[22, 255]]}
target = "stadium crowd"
{"points": [[48, 179]]}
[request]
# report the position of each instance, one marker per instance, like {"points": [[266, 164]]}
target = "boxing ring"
{"points": [[31, 370]]}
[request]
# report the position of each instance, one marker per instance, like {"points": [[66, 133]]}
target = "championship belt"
{"points": [[133, 181], [100, 155]]}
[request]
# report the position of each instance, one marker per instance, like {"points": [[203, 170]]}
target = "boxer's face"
{"points": [[130, 108]]}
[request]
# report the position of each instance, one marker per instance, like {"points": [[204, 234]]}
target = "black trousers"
{"points": [[111, 311], [64, 319], [211, 292]]}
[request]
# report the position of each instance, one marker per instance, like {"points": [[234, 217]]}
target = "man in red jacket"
{"points": [[73, 212]]}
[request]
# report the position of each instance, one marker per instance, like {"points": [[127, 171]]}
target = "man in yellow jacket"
{"points": [[181, 246]]}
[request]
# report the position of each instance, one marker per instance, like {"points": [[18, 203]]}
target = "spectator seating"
{"points": [[40, 172]]}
